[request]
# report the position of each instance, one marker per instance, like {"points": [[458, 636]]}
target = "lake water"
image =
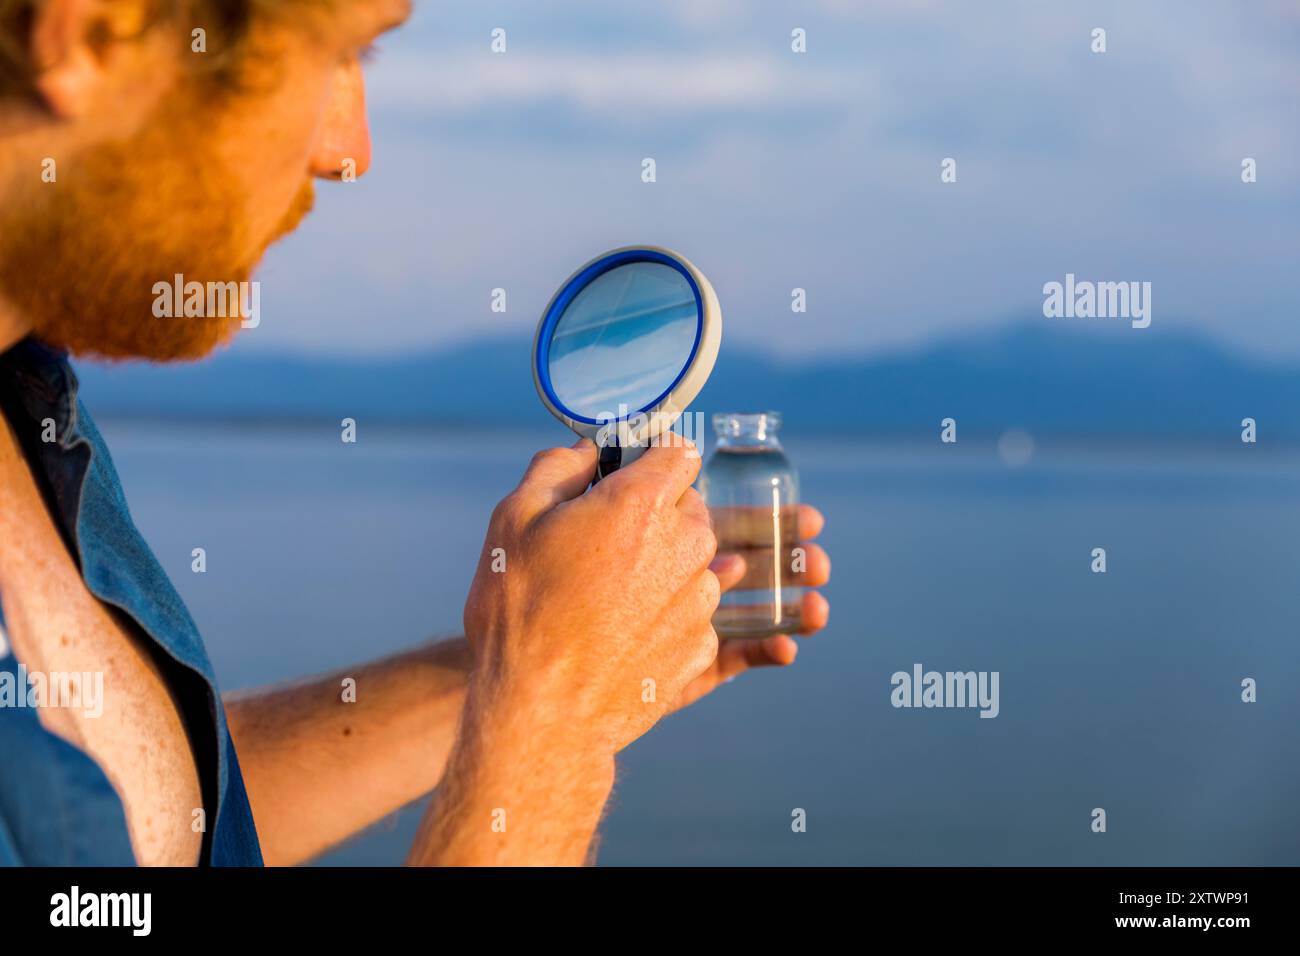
{"points": [[1119, 690]]}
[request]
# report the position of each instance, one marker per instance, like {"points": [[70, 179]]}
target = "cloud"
{"points": [[610, 85], [818, 170]]}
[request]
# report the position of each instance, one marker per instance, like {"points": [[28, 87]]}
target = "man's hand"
{"points": [[600, 593], [737, 655], [588, 617]]}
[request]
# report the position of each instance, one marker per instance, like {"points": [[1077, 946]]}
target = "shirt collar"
{"points": [[43, 385]]}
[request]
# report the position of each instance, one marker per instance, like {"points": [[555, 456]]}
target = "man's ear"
{"points": [[71, 44]]}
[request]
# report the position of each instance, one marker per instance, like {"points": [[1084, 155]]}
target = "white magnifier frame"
{"points": [[624, 437]]}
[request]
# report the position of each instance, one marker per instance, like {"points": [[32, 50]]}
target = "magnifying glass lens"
{"points": [[623, 340]]}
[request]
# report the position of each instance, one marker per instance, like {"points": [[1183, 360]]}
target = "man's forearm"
{"points": [[319, 768], [514, 796]]}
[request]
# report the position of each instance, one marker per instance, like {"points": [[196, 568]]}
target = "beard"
{"points": [[82, 260]]}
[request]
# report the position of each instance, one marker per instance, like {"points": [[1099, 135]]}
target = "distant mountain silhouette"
{"points": [[1068, 379]]}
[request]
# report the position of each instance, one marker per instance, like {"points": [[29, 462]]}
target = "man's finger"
{"points": [[558, 474], [738, 654], [692, 505], [809, 567], [811, 522], [729, 568], [814, 612], [672, 460], [752, 526]]}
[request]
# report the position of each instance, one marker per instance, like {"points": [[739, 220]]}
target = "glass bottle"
{"points": [[752, 492]]}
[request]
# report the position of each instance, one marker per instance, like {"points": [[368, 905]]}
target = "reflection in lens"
{"points": [[623, 340]]}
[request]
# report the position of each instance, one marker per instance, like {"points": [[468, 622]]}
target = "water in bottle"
{"points": [[752, 492]]}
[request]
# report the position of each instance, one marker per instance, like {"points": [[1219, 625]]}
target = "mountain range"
{"points": [[1043, 375]]}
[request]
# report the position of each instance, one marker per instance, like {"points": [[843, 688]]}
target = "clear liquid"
{"points": [[752, 494]]}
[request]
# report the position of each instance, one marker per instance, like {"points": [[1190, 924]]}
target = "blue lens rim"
{"points": [[566, 295]]}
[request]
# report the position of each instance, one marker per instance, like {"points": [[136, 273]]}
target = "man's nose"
{"points": [[343, 143]]}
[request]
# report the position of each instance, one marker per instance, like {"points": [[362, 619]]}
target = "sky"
{"points": [[778, 170]]}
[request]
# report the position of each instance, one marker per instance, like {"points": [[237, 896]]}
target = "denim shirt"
{"points": [[57, 808]]}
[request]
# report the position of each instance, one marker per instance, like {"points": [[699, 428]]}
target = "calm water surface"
{"points": [[1117, 690]]}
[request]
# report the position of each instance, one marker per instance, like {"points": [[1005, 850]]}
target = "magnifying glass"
{"points": [[624, 347]]}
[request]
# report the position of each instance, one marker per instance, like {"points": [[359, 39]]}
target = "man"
{"points": [[128, 156]]}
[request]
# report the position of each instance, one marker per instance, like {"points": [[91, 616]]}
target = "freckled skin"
{"points": [[56, 625]]}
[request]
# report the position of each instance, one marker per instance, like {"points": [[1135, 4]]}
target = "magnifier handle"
{"points": [[611, 457], [614, 457]]}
